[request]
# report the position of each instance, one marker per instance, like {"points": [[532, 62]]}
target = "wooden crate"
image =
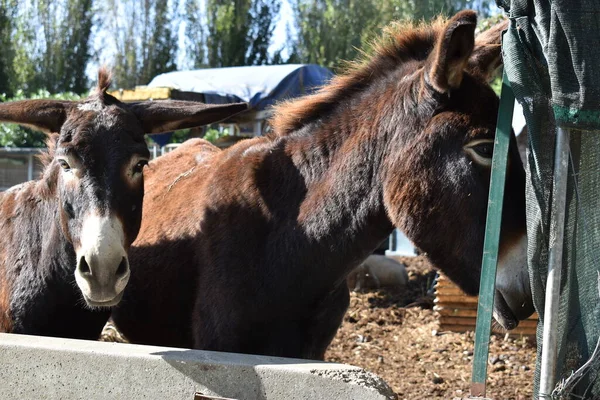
{"points": [[457, 312]]}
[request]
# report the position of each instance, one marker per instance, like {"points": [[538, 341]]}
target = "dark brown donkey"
{"points": [[247, 249], [65, 237]]}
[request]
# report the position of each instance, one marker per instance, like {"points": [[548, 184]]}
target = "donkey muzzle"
{"points": [[102, 270]]}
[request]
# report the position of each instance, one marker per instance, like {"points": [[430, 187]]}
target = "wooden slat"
{"points": [[466, 312], [469, 320], [457, 305], [458, 312], [471, 328], [455, 298], [451, 290]]}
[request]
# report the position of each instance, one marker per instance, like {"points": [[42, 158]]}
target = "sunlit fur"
{"points": [[247, 249], [65, 237]]}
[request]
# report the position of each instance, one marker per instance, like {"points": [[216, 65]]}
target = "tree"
{"points": [[49, 45], [163, 44], [76, 34], [7, 15], [194, 34], [330, 31], [240, 31], [145, 42], [23, 45]]}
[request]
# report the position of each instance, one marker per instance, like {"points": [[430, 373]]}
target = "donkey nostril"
{"points": [[84, 268], [122, 270]]}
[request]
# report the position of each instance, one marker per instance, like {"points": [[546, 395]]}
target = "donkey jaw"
{"points": [[513, 300], [103, 304], [102, 270]]}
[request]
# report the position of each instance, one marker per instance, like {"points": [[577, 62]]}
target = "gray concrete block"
{"points": [[52, 368]]}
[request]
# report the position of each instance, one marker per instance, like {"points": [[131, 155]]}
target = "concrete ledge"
{"points": [[51, 368]]}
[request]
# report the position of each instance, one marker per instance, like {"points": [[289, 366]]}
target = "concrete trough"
{"points": [[33, 367]]}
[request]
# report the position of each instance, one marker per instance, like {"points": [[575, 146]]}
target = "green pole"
{"points": [[492, 239]]}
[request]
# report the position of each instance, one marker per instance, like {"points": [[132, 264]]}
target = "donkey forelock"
{"points": [[98, 98], [96, 101], [400, 43]]}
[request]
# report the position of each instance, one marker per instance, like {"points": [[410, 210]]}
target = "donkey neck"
{"points": [[341, 161], [38, 263]]}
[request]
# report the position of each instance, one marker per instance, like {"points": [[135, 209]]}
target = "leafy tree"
{"points": [[145, 42], [330, 31], [195, 34], [23, 45], [240, 31], [7, 15], [64, 46], [76, 52], [163, 43]]}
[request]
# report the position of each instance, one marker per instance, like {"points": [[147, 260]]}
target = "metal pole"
{"points": [[492, 240], [30, 167], [557, 228]]}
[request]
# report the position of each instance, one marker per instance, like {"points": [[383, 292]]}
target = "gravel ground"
{"points": [[395, 335]]}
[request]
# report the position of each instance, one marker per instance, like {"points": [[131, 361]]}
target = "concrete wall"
{"points": [[50, 368]]}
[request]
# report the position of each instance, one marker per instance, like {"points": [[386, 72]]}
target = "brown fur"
{"points": [[5, 290], [247, 249], [96, 153], [104, 80]]}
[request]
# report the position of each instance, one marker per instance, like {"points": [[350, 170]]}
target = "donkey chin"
{"points": [[513, 299], [102, 269]]}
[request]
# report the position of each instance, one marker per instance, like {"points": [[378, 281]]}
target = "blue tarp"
{"points": [[260, 86]]}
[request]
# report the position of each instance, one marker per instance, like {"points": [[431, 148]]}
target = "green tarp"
{"points": [[552, 59]]}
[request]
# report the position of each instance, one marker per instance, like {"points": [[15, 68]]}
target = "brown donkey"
{"points": [[247, 249], [65, 237]]}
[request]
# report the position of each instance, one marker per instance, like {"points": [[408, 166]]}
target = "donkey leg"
{"points": [[327, 319]]}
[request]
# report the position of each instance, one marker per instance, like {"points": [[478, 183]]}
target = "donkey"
{"points": [[65, 237], [247, 249]]}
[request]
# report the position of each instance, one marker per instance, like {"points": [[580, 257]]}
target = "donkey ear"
{"points": [[487, 56], [452, 50], [169, 115], [45, 115]]}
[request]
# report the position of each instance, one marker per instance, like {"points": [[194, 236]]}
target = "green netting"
{"points": [[552, 60]]}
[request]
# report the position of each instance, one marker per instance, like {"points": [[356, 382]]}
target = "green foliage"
{"points": [[332, 31], [180, 136], [7, 14], [12, 135], [145, 39], [52, 45], [213, 134], [195, 35], [240, 31], [496, 85]]}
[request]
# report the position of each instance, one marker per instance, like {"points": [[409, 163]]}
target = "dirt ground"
{"points": [[395, 335]]}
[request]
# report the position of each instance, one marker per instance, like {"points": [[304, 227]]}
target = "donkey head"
{"points": [[446, 126], [97, 153]]}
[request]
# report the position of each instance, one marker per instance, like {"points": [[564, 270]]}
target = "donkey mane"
{"points": [[401, 42]]}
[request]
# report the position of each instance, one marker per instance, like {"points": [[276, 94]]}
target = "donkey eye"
{"points": [[63, 164], [139, 167], [484, 149], [481, 151]]}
